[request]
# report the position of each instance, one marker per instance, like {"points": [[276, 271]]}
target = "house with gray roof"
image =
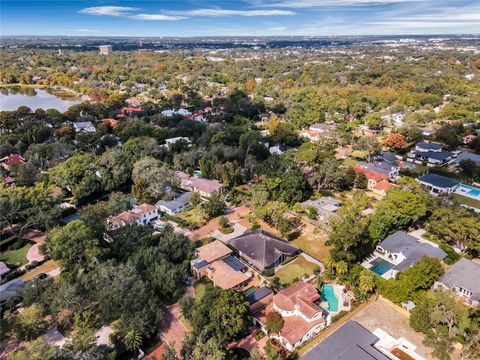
{"points": [[404, 250], [4, 269], [326, 206], [84, 126], [262, 249], [349, 342], [463, 278], [176, 205], [438, 184], [11, 289], [467, 156]]}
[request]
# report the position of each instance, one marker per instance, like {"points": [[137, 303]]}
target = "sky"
{"points": [[238, 17]]}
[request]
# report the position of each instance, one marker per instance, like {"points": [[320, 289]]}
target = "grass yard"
{"points": [[13, 257], [193, 216], [44, 268], [297, 268], [466, 200], [313, 244], [200, 287]]}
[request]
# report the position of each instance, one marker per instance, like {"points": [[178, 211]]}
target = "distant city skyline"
{"points": [[189, 18]]}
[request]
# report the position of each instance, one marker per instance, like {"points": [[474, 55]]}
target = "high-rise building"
{"points": [[105, 49]]}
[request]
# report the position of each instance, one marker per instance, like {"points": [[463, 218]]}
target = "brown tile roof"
{"points": [[300, 293], [224, 276], [370, 174], [213, 251], [294, 327]]}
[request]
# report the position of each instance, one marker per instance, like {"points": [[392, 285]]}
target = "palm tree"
{"points": [[341, 268], [366, 283], [132, 340]]}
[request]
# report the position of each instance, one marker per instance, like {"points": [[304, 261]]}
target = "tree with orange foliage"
{"points": [[250, 85], [396, 141]]}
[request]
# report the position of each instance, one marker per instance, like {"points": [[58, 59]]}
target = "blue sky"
{"points": [[238, 17]]}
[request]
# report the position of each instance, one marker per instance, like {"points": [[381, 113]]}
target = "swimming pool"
{"points": [[468, 191], [328, 295], [380, 266]]}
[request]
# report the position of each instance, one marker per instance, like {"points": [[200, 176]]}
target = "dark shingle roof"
{"points": [[262, 248], [234, 263], [429, 146], [259, 294], [389, 157], [438, 180], [350, 342]]}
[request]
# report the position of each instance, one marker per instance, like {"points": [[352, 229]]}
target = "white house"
{"points": [[140, 215], [84, 126], [172, 112], [438, 184], [176, 205], [302, 316], [463, 278]]}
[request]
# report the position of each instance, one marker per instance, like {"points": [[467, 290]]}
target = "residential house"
{"points": [[438, 184], [352, 341], [403, 251], [11, 289], [278, 149], [132, 102], [376, 180], [469, 138], [430, 153], [11, 160], [171, 141], [463, 278], [216, 262], [175, 112], [386, 156], [140, 215], [311, 135], [326, 206], [382, 167], [467, 156], [110, 122], [262, 249], [204, 187], [4, 269], [321, 127], [260, 298], [84, 126], [302, 317], [176, 205]]}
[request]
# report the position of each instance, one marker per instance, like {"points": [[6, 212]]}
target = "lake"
{"points": [[12, 98]]}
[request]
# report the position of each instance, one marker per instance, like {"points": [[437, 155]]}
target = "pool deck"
{"points": [[467, 193]]}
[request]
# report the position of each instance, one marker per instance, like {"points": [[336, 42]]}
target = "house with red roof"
{"points": [[373, 177], [11, 160], [303, 318]]}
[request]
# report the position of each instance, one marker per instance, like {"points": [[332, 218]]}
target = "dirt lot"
{"points": [[383, 315], [313, 244]]}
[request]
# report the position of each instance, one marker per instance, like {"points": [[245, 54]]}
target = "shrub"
{"points": [[274, 322], [338, 316], [268, 272], [255, 226], [259, 335]]}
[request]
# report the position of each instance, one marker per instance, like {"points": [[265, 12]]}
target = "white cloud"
{"points": [[322, 3], [225, 12], [108, 10], [157, 17], [84, 30]]}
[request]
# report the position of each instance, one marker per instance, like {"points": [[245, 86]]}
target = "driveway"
{"points": [[172, 330], [249, 343], [238, 230]]}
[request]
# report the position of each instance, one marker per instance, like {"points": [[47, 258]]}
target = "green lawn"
{"points": [[297, 268], [466, 200], [13, 257], [200, 287], [193, 216]]}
